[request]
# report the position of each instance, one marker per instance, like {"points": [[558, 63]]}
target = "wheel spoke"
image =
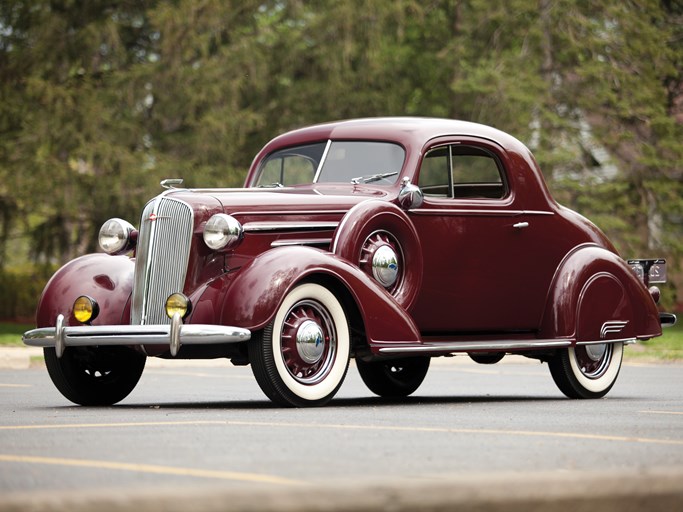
{"points": [[307, 342]]}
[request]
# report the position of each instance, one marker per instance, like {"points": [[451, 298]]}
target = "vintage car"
{"points": [[389, 240]]}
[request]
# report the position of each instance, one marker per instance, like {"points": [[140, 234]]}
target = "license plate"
{"points": [[655, 270]]}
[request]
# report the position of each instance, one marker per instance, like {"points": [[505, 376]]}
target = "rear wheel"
{"points": [[395, 378], [95, 375], [587, 371], [301, 357]]}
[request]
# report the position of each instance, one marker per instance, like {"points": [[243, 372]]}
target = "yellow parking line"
{"points": [[486, 431], [150, 468], [15, 385], [678, 413], [385, 428]]}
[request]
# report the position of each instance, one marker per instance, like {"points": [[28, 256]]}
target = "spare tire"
{"points": [[380, 239]]}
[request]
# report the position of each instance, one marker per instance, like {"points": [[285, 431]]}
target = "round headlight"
{"points": [[85, 309], [223, 232], [116, 236], [178, 303]]}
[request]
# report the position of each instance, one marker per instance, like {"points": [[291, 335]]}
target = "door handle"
{"points": [[521, 225]]}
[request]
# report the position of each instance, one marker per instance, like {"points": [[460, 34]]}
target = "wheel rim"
{"points": [[309, 342], [381, 257], [593, 360]]}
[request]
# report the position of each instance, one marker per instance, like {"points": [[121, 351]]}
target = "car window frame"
{"points": [[506, 183]]}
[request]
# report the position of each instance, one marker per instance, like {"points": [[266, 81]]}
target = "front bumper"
{"points": [[173, 335]]}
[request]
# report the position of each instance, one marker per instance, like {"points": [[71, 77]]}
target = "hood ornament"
{"points": [[171, 182]]}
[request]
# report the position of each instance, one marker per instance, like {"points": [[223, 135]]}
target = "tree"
{"points": [[72, 126], [102, 99]]}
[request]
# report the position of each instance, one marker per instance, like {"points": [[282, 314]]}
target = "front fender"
{"points": [[257, 290], [594, 296], [107, 279]]}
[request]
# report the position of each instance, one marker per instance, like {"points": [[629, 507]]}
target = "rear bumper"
{"points": [[173, 335], [667, 319]]}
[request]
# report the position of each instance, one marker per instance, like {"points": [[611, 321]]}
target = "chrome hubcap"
{"points": [[596, 352], [594, 360], [385, 266], [381, 258], [310, 343]]}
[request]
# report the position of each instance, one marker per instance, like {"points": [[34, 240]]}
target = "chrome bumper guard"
{"points": [[667, 319], [173, 335]]}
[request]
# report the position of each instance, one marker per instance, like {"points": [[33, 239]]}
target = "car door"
{"points": [[484, 266]]}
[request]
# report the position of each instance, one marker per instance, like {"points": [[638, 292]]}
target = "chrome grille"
{"points": [[161, 260]]}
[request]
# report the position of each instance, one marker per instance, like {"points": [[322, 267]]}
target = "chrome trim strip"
{"points": [[86, 336], [627, 341], [313, 241], [466, 346], [612, 327], [259, 227], [477, 212]]}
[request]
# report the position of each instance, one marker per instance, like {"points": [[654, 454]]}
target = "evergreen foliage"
{"points": [[101, 99]]}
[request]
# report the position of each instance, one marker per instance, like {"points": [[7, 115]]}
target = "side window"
{"points": [[461, 172], [435, 173]]}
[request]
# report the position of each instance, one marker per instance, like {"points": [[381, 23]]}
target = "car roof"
{"points": [[409, 131]]}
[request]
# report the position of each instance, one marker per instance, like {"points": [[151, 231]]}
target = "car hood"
{"points": [[282, 201]]}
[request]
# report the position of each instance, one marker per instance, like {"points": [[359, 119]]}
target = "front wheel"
{"points": [[301, 357], [587, 371], [396, 378], [95, 375]]}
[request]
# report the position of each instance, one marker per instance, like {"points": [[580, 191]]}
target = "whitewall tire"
{"points": [[587, 371], [302, 356]]}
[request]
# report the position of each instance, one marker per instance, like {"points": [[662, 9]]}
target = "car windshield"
{"points": [[356, 162]]}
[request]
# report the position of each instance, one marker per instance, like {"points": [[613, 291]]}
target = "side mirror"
{"points": [[410, 196]]}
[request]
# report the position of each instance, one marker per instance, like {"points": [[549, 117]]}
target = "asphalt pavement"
{"points": [[200, 435]]}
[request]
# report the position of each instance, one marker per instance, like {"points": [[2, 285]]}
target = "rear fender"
{"points": [[596, 296], [107, 279], [257, 290]]}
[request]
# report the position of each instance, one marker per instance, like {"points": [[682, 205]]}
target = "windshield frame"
{"points": [[392, 171]]}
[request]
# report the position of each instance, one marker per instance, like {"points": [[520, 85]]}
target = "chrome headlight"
{"points": [[223, 232], [116, 236]]}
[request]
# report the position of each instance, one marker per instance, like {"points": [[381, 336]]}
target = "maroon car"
{"points": [[391, 241]]}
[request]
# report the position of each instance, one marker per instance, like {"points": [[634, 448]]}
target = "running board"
{"points": [[477, 346]]}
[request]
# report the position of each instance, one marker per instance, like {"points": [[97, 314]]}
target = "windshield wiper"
{"points": [[272, 185], [372, 177]]}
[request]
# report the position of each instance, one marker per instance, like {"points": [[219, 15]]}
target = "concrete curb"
{"points": [[622, 491], [18, 358]]}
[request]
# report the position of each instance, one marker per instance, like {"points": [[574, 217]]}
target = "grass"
{"points": [[10, 334], [667, 348]]}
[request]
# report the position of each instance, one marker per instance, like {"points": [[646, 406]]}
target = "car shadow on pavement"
{"points": [[413, 401]]}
